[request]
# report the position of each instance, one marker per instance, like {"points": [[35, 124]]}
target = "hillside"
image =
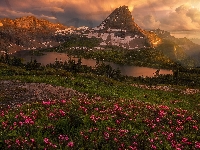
{"points": [[27, 33], [118, 30], [181, 50], [52, 108]]}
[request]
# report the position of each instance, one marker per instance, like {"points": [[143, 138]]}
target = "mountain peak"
{"points": [[120, 18], [30, 22], [121, 24]]}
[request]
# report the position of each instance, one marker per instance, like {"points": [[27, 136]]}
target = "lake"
{"points": [[134, 71]]}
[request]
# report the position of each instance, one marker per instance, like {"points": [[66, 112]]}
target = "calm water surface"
{"points": [[134, 71]]}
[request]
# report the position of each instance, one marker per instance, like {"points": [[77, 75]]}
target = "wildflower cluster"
{"points": [[98, 123]]}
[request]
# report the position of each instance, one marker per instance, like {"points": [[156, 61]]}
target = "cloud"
{"points": [[9, 13], [183, 18], [182, 9], [147, 22], [47, 9], [47, 17], [149, 14], [194, 14], [16, 14]]}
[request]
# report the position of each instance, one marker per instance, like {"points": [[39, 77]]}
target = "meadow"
{"points": [[98, 123], [107, 114]]}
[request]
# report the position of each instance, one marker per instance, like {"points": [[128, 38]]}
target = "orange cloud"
{"points": [[166, 14], [55, 9]]}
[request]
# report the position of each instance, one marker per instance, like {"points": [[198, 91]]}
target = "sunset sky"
{"points": [[149, 14]]}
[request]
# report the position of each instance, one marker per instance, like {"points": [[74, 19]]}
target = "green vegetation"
{"points": [[149, 58], [81, 42], [165, 56], [111, 113], [98, 123], [143, 57], [181, 76], [176, 53], [104, 83]]}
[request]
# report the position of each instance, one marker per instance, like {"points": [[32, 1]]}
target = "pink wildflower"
{"points": [[184, 140], [153, 146], [34, 112], [62, 112], [29, 121], [117, 121], [157, 119], [115, 139], [4, 124], [21, 123], [70, 144], [46, 140], [106, 135], [117, 107], [170, 136], [132, 148], [189, 118], [46, 102], [96, 109], [195, 127], [197, 145], [162, 113], [63, 137], [63, 101], [51, 114], [2, 113], [17, 141]]}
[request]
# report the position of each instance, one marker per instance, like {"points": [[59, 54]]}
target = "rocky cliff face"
{"points": [[180, 49], [120, 18], [30, 22], [26, 32], [118, 29]]}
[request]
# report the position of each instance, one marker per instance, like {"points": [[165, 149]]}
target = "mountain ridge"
{"points": [[125, 21], [22, 31], [29, 22], [118, 29]]}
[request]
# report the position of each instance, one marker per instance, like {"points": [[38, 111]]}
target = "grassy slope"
{"points": [[164, 56], [102, 86], [125, 117]]}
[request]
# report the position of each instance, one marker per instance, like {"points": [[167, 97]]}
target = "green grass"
{"points": [[98, 123], [106, 87], [123, 116]]}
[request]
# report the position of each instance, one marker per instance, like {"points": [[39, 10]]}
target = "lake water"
{"points": [[134, 71]]}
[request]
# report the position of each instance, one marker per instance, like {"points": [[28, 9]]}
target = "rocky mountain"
{"points": [[118, 29], [122, 19], [27, 33], [181, 47], [30, 22], [195, 40]]}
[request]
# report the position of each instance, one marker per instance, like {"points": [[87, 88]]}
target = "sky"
{"points": [[170, 15]]}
